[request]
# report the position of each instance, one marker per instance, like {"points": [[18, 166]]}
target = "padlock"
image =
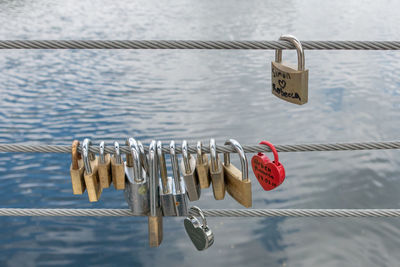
{"points": [[270, 174], [137, 188], [202, 167], [216, 172], [199, 233], [188, 167], [288, 83], [117, 168], [180, 196], [166, 185], [104, 165], [238, 184], [91, 173], [155, 220], [76, 170]]}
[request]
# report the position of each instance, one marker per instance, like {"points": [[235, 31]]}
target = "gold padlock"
{"points": [[76, 170], [216, 172], [288, 83], [91, 173], [202, 167], [237, 182], [117, 168], [104, 165]]}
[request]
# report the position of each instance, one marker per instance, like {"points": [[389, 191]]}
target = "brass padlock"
{"points": [[104, 165], [288, 83], [91, 173], [117, 168], [237, 182], [216, 172], [77, 168], [202, 167]]}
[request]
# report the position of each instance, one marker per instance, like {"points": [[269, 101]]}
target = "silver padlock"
{"points": [[155, 220], [199, 233], [137, 188], [188, 167], [166, 185], [288, 83], [180, 196]]}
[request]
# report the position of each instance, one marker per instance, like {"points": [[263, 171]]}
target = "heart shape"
{"points": [[268, 174], [282, 83], [196, 233]]}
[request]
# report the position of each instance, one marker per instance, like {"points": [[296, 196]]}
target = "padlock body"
{"points": [[218, 180], [238, 189], [191, 180], [203, 172], [92, 182], [201, 236], [180, 198], [167, 199], [105, 171], [155, 229], [77, 179], [137, 194], [118, 174], [269, 174], [289, 84]]}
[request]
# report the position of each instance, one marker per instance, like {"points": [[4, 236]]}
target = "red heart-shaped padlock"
{"points": [[270, 174]]}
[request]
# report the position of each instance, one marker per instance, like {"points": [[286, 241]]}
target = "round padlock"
{"points": [[270, 174]]}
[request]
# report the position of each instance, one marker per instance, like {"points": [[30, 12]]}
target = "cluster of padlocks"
{"points": [[149, 191]]}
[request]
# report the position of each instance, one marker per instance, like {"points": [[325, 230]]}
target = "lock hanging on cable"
{"points": [[166, 185], [237, 182], [180, 195], [137, 187], [288, 83]]}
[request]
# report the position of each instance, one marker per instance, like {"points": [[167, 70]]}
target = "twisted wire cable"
{"points": [[213, 212], [220, 148], [192, 44]]}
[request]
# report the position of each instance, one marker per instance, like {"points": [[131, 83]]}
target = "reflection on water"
{"points": [[56, 96]]}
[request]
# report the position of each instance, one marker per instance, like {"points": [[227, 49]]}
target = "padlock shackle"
{"points": [[175, 167], [200, 212], [153, 182], [101, 152], [117, 153], [199, 152], [273, 149], [75, 155], [243, 159], [163, 167], [87, 156], [300, 52], [143, 157], [213, 155], [185, 157], [136, 161]]}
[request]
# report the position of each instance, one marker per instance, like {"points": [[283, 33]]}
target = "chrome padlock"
{"points": [[143, 160], [199, 233], [91, 173], [104, 167], [166, 185], [188, 167], [155, 220], [202, 168], [117, 168], [136, 188], [216, 172], [237, 183], [180, 196], [288, 83]]}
